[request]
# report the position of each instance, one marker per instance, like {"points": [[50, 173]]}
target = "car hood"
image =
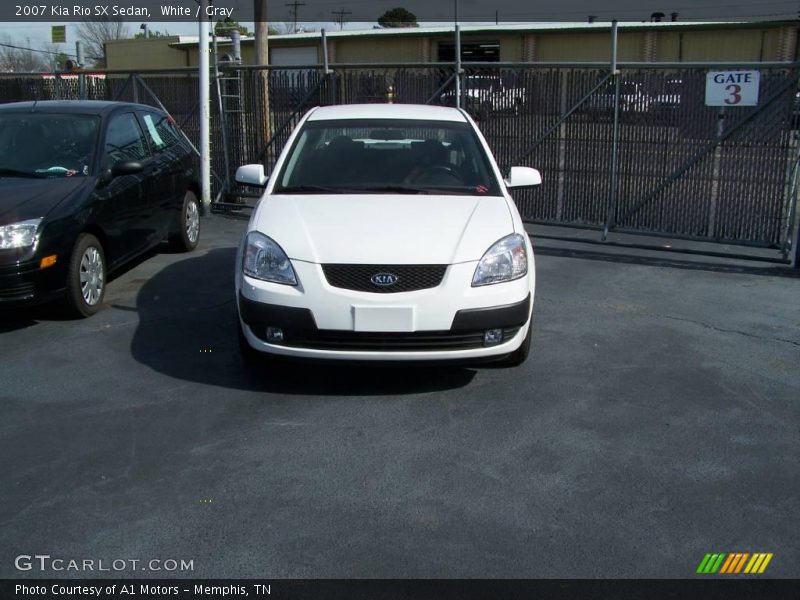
{"points": [[22, 199], [384, 228]]}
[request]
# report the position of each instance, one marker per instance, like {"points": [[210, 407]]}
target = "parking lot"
{"points": [[655, 421]]}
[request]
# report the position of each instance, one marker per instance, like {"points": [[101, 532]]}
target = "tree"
{"points": [[14, 58], [224, 27], [398, 17], [96, 33], [151, 34]]}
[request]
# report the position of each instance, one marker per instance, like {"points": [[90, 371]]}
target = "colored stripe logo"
{"points": [[734, 562]]}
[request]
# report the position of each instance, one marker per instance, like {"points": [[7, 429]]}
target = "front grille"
{"points": [[409, 277], [21, 291], [326, 339]]}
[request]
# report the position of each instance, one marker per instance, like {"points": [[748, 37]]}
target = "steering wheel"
{"points": [[68, 149], [430, 173]]}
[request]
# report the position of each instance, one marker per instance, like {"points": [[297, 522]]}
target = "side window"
{"points": [[124, 140], [161, 132]]}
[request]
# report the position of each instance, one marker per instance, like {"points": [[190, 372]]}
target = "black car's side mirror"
{"points": [[126, 167]]}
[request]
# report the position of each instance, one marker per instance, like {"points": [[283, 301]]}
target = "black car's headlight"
{"points": [[264, 259], [19, 235], [505, 261]]}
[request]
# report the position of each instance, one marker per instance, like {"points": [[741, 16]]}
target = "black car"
{"points": [[86, 186]]}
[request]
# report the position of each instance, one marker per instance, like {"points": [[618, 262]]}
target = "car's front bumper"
{"points": [[448, 322], [26, 283]]}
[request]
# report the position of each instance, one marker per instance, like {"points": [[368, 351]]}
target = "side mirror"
{"points": [[522, 177], [126, 167], [252, 175]]}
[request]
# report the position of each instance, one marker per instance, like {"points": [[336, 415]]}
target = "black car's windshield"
{"points": [[387, 156], [47, 145]]}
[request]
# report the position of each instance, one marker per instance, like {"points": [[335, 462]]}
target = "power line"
{"points": [[295, 5], [341, 13], [35, 50]]}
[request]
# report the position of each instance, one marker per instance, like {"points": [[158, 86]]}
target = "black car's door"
{"points": [[124, 213], [167, 184]]}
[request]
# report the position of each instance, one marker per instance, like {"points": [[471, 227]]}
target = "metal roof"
{"points": [[187, 41]]}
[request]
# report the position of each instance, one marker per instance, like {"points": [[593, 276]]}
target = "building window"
{"points": [[470, 52]]}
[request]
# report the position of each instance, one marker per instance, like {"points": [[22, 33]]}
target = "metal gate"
{"points": [[671, 166]]}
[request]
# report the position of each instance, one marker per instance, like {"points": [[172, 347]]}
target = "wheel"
{"points": [[86, 277], [520, 355], [186, 229]]}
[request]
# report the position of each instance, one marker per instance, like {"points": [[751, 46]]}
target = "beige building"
{"points": [[549, 42]]}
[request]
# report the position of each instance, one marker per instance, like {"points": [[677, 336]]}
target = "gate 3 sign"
{"points": [[732, 88]]}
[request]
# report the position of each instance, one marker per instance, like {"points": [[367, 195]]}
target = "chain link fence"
{"points": [[682, 169]]}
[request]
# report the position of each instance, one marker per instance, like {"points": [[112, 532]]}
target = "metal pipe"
{"points": [[236, 45], [326, 65], [612, 193], [649, 233], [440, 89], [458, 65], [205, 110], [81, 76], [710, 253], [563, 118]]}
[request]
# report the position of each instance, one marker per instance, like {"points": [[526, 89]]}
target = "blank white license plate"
{"points": [[383, 318]]}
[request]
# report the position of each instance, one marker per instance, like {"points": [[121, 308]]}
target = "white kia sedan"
{"points": [[386, 233]]}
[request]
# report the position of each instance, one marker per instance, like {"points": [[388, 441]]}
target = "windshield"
{"points": [[387, 156], [47, 145]]}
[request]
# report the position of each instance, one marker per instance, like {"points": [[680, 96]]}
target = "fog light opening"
{"points": [[492, 337], [274, 334]]}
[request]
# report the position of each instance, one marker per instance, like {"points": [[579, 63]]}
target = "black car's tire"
{"points": [[186, 230], [520, 355], [86, 277]]}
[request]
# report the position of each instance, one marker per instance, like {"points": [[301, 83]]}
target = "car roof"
{"points": [[419, 112], [85, 107]]}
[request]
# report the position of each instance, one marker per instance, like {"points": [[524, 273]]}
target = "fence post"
{"points": [[205, 110], [612, 194], [458, 65]]}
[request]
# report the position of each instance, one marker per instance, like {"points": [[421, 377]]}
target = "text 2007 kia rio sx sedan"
{"points": [[386, 233]]}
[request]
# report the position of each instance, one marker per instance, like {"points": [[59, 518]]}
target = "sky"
{"points": [[38, 34]]}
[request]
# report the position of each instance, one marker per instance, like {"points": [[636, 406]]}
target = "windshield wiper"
{"points": [[395, 189], [378, 189], [310, 189], [5, 172]]}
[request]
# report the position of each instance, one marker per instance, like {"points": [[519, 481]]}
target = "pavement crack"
{"points": [[735, 331]]}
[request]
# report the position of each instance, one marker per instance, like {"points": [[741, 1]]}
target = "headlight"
{"points": [[19, 235], [264, 259], [506, 260]]}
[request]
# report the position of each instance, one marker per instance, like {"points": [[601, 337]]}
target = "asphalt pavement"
{"points": [[655, 421]]}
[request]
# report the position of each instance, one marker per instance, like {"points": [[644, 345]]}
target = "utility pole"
{"points": [[294, 6], [262, 58], [340, 17]]}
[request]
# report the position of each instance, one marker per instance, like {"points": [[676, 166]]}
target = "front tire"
{"points": [[86, 277], [186, 229]]}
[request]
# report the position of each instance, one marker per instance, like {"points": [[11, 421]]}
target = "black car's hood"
{"points": [[22, 199]]}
